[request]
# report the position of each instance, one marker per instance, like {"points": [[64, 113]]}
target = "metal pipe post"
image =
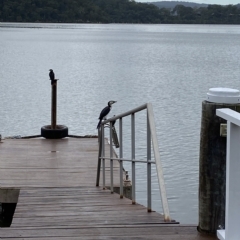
{"points": [[54, 105], [133, 158], [121, 156], [149, 184], [111, 156], [103, 155], [158, 163], [99, 157]]}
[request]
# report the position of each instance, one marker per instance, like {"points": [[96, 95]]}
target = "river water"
{"points": [[170, 66]]}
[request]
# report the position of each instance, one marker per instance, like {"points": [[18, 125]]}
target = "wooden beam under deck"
{"points": [[58, 198]]}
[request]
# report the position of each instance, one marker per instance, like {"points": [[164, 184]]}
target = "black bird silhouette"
{"points": [[105, 112], [52, 76]]}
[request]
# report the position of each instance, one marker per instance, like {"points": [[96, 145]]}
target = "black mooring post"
{"points": [[54, 104], [54, 131]]}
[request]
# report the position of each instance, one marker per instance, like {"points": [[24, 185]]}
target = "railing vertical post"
{"points": [[121, 156], [158, 163], [111, 156], [99, 156], [149, 183], [103, 155], [133, 158]]}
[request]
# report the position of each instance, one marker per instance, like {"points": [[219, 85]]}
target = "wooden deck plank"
{"points": [[133, 232], [145, 237], [46, 163], [60, 212], [58, 198]]}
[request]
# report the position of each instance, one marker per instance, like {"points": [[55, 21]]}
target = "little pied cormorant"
{"points": [[52, 76], [105, 112]]}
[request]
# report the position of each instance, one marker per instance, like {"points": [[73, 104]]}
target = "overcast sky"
{"points": [[221, 2]]}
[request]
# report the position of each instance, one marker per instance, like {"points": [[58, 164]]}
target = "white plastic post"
{"points": [[232, 212]]}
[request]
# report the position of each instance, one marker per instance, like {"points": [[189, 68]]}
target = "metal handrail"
{"points": [[151, 138]]}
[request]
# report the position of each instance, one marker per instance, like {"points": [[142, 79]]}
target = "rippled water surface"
{"points": [[171, 66]]}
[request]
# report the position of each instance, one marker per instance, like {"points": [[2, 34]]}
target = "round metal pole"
{"points": [[133, 158], [54, 105]]}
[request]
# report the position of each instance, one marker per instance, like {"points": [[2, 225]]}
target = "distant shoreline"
{"points": [[118, 11]]}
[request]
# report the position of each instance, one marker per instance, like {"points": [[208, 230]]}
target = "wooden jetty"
{"points": [[59, 200]]}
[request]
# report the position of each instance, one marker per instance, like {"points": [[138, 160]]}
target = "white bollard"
{"points": [[223, 95]]}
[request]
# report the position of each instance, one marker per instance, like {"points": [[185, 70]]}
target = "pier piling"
{"points": [[212, 159]]}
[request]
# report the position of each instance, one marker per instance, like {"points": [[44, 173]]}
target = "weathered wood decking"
{"points": [[58, 198]]}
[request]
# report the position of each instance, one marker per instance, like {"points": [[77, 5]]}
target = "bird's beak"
{"points": [[114, 101]]}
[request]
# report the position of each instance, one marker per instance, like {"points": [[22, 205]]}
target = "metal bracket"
{"points": [[223, 130], [114, 135]]}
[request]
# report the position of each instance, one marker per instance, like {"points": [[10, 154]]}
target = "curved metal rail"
{"points": [[152, 141]]}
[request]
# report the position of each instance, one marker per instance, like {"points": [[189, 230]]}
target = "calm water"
{"points": [[171, 66]]}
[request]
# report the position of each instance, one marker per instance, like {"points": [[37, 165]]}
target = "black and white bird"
{"points": [[105, 112], [52, 76]]}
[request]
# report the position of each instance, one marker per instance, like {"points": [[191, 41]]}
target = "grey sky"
{"points": [[221, 2]]}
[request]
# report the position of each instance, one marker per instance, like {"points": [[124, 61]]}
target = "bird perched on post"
{"points": [[105, 112], [52, 76]]}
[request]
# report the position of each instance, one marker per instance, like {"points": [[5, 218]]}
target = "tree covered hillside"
{"points": [[173, 4], [78, 11], [113, 11]]}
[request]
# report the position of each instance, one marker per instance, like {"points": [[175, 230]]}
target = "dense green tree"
{"points": [[113, 11]]}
